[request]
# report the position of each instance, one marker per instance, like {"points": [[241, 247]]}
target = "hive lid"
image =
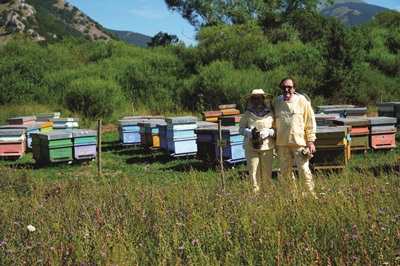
{"points": [[129, 122], [12, 132], [28, 127], [354, 121], [150, 123], [382, 120], [76, 133], [205, 124], [64, 119], [58, 134], [181, 120], [21, 119]]}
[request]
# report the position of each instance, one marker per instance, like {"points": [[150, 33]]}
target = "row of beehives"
{"points": [[44, 136], [182, 136], [386, 109]]}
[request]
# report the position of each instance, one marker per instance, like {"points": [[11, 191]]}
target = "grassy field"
{"points": [[147, 208]]}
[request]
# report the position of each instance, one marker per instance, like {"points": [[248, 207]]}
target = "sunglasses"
{"points": [[283, 87]]}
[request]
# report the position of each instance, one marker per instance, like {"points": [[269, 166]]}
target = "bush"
{"points": [[94, 98]]}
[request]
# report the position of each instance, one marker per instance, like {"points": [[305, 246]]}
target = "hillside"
{"points": [[48, 21], [352, 12]]}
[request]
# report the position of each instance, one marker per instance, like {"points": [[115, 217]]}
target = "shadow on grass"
{"points": [[377, 170]]}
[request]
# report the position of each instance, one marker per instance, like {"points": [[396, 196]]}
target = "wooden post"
{"points": [[99, 146], [220, 157], [133, 110]]}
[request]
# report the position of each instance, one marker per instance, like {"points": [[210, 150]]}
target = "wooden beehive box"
{"points": [[22, 120], [211, 116], [359, 132], [382, 132], [56, 146]]}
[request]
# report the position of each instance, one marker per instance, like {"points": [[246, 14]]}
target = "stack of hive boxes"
{"points": [[232, 147], [129, 129], [64, 146], [211, 116], [29, 128], [84, 143], [382, 132], [326, 109], [149, 138], [390, 109], [325, 119], [65, 123], [12, 143], [227, 113], [47, 116], [333, 147], [53, 146], [205, 140], [359, 133], [181, 136]]}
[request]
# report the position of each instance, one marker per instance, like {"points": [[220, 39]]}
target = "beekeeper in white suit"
{"points": [[295, 133], [257, 126]]}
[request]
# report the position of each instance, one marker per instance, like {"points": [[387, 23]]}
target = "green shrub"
{"points": [[94, 98]]}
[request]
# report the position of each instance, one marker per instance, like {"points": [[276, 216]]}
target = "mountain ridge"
{"points": [[53, 20]]}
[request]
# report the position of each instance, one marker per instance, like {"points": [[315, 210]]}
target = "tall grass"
{"points": [[150, 209]]}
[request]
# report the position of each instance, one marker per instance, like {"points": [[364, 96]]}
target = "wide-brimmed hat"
{"points": [[267, 96]]}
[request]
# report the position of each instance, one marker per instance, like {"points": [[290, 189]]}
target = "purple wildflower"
{"points": [[195, 241], [102, 254], [306, 250], [182, 247], [9, 251], [229, 233]]}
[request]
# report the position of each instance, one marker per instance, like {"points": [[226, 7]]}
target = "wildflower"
{"points": [[39, 261], [254, 223], [86, 235], [394, 220], [215, 209], [381, 212], [9, 251], [229, 233], [306, 250], [102, 254], [16, 223], [182, 247], [383, 228], [3, 243], [144, 216], [355, 257], [240, 251], [195, 241], [51, 248], [28, 248], [354, 236], [179, 224]]}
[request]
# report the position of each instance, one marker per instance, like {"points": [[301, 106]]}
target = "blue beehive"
{"points": [[233, 151], [181, 138], [66, 123], [129, 131]]}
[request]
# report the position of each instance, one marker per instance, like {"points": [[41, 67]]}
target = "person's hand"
{"points": [[266, 133], [247, 132], [310, 145]]}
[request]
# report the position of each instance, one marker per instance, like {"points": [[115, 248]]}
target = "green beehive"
{"points": [[56, 146]]}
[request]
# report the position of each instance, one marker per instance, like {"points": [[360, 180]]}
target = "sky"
{"points": [[149, 17]]}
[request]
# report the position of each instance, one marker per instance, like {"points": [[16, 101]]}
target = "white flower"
{"points": [[31, 228]]}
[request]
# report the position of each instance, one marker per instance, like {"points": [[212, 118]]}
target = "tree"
{"points": [[163, 39]]}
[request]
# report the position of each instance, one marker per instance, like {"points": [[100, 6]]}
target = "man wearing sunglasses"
{"points": [[295, 133]]}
